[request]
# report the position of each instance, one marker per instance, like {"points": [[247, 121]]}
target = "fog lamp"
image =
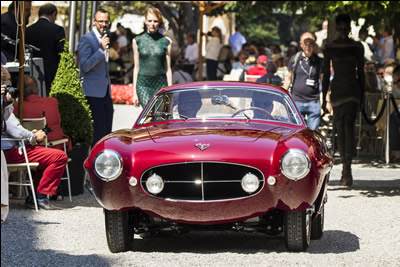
{"points": [[155, 184], [250, 183]]}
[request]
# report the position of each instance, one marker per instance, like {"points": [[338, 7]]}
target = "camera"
{"points": [[47, 129], [208, 33], [14, 92]]}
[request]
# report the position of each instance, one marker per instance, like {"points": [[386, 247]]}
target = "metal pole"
{"points": [[21, 49], [72, 26], [83, 14], [200, 66], [94, 9], [387, 149]]}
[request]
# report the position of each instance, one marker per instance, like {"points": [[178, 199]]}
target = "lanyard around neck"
{"points": [[309, 73]]}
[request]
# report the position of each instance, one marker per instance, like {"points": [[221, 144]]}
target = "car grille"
{"points": [[202, 181]]}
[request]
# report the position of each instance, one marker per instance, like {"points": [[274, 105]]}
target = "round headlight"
{"points": [[108, 165], [155, 184], [295, 164], [250, 183]]}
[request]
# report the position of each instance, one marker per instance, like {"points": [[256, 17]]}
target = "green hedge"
{"points": [[76, 116]]}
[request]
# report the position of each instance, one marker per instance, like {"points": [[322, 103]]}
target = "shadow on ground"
{"points": [[369, 188], [244, 243]]}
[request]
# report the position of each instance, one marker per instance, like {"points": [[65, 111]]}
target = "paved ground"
{"points": [[125, 116], [362, 228]]}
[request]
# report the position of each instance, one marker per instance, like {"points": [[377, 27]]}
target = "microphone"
{"points": [[13, 42], [106, 32]]}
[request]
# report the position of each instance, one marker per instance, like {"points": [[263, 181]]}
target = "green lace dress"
{"points": [[152, 77]]}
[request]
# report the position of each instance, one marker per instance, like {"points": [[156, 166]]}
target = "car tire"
{"points": [[118, 231], [317, 226], [297, 230]]}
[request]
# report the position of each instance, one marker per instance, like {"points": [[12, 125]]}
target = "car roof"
{"points": [[223, 84]]}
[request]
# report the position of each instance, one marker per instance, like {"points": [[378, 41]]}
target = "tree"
{"points": [[375, 13]]}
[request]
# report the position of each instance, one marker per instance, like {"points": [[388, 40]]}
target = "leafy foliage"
{"points": [[307, 15], [76, 117]]}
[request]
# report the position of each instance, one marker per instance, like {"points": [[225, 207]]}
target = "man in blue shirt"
{"points": [[236, 41]]}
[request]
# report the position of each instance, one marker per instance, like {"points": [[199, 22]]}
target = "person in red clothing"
{"points": [[52, 162], [261, 68], [34, 106]]}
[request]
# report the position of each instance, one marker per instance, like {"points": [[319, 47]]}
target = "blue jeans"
{"points": [[312, 110]]}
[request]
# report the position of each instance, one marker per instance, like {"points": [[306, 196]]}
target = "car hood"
{"points": [[220, 131]]}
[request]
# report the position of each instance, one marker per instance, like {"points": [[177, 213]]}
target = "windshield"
{"points": [[221, 103]]}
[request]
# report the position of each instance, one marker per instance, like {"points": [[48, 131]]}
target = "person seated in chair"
{"points": [[36, 106], [189, 103], [261, 68], [52, 162]]}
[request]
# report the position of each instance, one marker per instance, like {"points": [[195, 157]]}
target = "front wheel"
{"points": [[118, 230], [317, 226], [297, 230]]}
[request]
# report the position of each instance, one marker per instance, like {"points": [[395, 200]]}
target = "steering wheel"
{"points": [[269, 116]]}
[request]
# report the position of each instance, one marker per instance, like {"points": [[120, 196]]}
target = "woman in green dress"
{"points": [[152, 51]]}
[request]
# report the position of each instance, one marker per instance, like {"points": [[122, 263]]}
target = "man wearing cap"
{"points": [[261, 68], [303, 77]]}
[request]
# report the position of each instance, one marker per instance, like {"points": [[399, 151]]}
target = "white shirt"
{"points": [[181, 76], [122, 41], [212, 49], [367, 51], [387, 49], [192, 53]]}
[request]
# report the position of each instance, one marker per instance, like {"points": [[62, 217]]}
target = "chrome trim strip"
{"points": [[202, 181]]}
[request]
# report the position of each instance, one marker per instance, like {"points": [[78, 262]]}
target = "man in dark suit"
{"points": [[9, 28], [94, 68], [47, 36]]}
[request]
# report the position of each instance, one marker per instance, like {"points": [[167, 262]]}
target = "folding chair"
{"points": [[251, 78], [40, 123], [27, 166]]}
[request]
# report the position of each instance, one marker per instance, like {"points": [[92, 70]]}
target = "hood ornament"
{"points": [[201, 146]]}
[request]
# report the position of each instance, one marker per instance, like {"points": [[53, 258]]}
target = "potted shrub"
{"points": [[76, 117]]}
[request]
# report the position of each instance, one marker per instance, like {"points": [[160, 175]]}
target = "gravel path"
{"points": [[362, 228]]}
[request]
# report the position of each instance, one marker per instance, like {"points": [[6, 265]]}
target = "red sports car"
{"points": [[213, 156]]}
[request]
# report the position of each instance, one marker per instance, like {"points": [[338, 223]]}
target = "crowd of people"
{"points": [[332, 77]]}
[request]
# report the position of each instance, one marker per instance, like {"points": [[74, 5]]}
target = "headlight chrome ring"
{"points": [[107, 165], [295, 164]]}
